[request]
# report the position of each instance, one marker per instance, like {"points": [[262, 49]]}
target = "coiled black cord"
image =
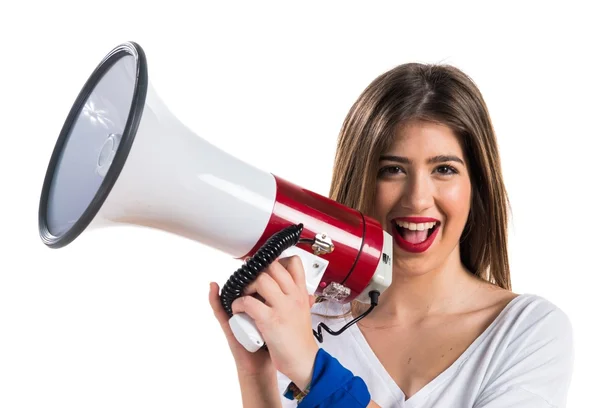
{"points": [[266, 255], [248, 272]]}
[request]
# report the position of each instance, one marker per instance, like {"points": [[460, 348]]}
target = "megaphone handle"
{"points": [[243, 327], [246, 333]]}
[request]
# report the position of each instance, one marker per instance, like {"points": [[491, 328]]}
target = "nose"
{"points": [[417, 194]]}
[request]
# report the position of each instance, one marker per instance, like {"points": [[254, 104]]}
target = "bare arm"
{"points": [[259, 391]]}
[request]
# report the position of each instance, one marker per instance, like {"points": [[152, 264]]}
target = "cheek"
{"points": [[456, 201], [384, 202]]}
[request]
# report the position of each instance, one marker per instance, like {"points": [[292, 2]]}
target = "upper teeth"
{"points": [[416, 227]]}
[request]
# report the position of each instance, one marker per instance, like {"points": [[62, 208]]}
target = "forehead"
{"points": [[420, 138]]}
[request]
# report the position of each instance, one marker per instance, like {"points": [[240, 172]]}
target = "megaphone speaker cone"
{"points": [[93, 145]]}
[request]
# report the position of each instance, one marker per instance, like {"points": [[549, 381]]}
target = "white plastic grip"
{"points": [[243, 327], [245, 331]]}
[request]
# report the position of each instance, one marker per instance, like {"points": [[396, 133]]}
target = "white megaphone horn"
{"points": [[123, 158]]}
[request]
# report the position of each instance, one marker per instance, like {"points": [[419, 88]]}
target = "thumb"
{"points": [[217, 307], [311, 300]]}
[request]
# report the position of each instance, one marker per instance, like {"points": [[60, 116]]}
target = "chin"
{"points": [[409, 268]]}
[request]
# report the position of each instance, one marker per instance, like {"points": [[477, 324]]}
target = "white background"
{"points": [[120, 318]]}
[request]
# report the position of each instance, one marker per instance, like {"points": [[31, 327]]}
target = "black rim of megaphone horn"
{"points": [[129, 132]]}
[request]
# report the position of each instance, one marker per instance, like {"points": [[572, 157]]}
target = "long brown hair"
{"points": [[440, 94]]}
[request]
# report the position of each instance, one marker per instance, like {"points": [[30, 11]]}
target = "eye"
{"points": [[446, 170], [389, 171]]}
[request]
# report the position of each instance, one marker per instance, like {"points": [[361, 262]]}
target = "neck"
{"points": [[443, 290]]}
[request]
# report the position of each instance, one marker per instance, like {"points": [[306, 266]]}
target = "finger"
{"points": [[311, 300], [279, 275], [217, 307], [266, 287], [282, 276], [294, 266], [257, 310]]}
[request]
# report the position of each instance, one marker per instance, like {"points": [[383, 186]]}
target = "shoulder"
{"points": [[530, 348], [515, 314], [529, 323], [536, 315]]}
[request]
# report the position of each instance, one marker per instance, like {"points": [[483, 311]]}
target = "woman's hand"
{"points": [[248, 364], [284, 318]]}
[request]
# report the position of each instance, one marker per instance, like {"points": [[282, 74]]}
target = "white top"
{"points": [[523, 359]]}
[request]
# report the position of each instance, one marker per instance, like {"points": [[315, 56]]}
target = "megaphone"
{"points": [[123, 158]]}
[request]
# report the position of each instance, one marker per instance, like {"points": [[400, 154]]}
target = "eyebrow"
{"points": [[435, 159]]}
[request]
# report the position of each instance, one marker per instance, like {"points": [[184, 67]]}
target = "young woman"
{"points": [[418, 153]]}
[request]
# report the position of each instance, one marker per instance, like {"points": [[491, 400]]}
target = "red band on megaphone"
{"points": [[357, 239]]}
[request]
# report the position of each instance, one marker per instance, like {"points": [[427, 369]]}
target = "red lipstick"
{"points": [[409, 246]]}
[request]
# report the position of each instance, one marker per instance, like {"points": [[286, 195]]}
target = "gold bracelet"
{"points": [[292, 392]]}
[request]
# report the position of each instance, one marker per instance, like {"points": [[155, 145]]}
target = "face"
{"points": [[423, 197]]}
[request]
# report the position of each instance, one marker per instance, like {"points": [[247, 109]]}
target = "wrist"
{"points": [[303, 371]]}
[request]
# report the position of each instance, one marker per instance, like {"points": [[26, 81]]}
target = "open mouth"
{"points": [[415, 233]]}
